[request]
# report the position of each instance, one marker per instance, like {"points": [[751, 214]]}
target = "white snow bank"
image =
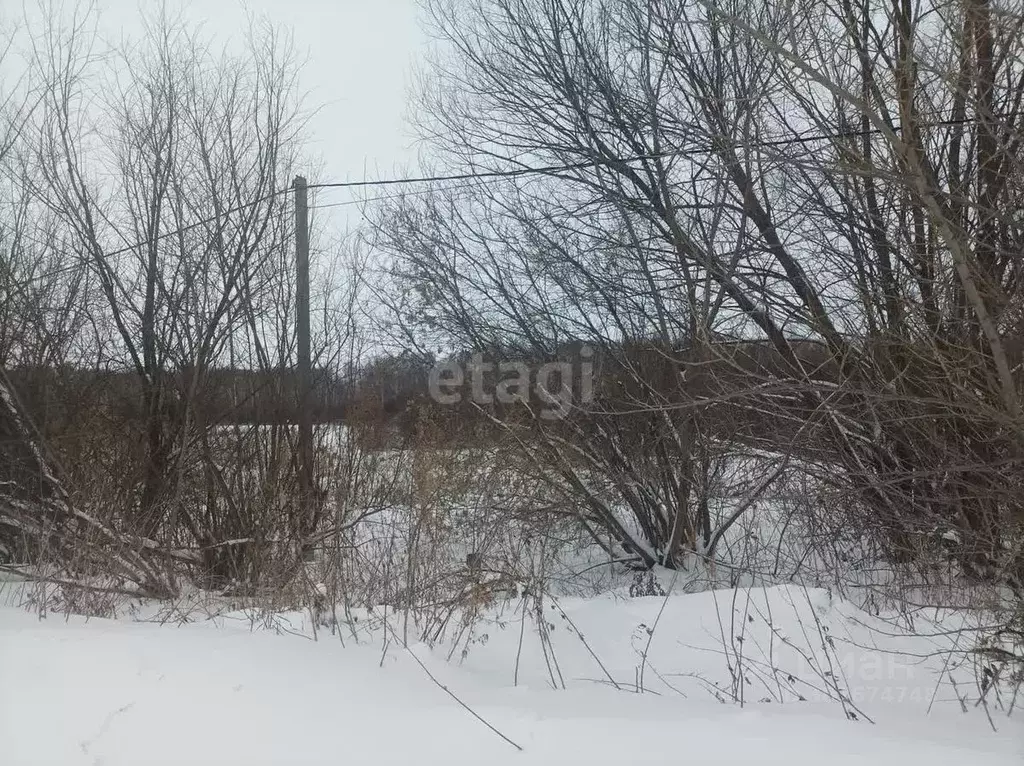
{"points": [[129, 693]]}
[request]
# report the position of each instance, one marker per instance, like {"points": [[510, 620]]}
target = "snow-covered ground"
{"points": [[138, 690]]}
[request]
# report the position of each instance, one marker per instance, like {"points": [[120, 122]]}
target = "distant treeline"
{"points": [[629, 387], [396, 397], [220, 395], [387, 390]]}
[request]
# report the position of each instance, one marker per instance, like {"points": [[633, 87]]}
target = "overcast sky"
{"points": [[360, 58]]}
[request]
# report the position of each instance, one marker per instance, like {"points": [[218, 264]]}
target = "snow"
{"points": [[136, 690]]}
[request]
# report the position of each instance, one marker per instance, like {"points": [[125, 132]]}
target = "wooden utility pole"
{"points": [[307, 500]]}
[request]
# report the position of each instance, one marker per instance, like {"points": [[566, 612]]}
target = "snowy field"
{"points": [[792, 677]]}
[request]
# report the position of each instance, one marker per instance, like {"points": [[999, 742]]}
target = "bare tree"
{"points": [[150, 275], [186, 234], [828, 185]]}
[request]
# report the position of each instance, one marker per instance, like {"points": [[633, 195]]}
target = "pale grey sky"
{"points": [[360, 58]]}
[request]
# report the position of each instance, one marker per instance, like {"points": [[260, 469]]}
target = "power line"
{"points": [[151, 240], [586, 164], [503, 174], [197, 224], [380, 198]]}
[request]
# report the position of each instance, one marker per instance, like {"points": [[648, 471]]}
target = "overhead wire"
{"points": [[487, 175]]}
